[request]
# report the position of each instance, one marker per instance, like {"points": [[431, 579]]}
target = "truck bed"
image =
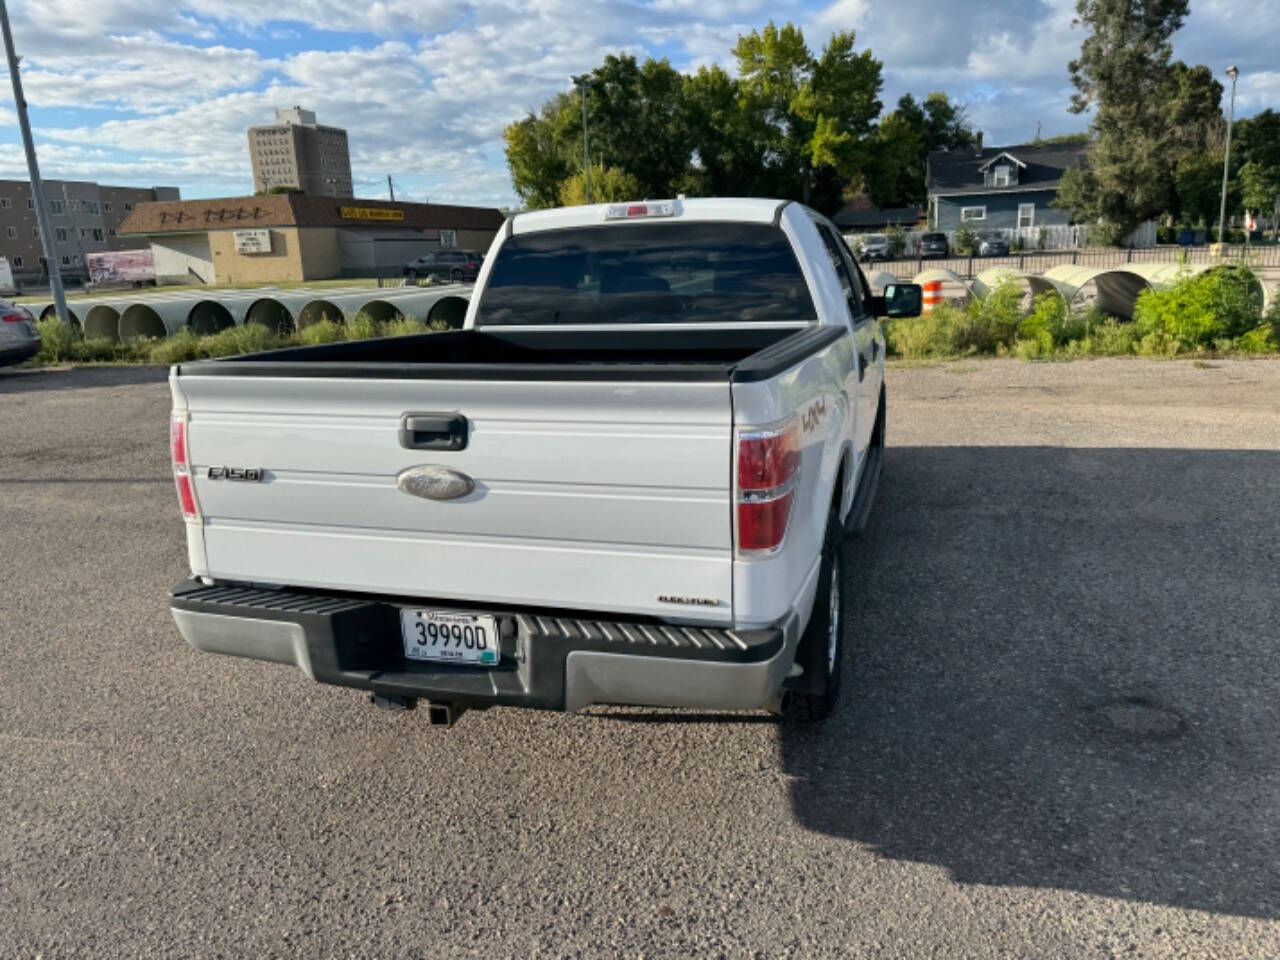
{"points": [[739, 354]]}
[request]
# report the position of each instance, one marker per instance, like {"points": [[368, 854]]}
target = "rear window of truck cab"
{"points": [[669, 272]]}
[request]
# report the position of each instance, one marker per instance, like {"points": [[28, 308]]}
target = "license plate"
{"points": [[448, 637]]}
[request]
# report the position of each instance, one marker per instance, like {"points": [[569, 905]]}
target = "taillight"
{"points": [[13, 318], [182, 467], [767, 465]]}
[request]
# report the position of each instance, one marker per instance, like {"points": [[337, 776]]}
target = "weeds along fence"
{"points": [[1109, 258]]}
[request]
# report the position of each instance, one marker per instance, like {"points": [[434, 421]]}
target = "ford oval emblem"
{"points": [[435, 483]]}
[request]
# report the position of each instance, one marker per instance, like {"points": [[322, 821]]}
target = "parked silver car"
{"points": [[875, 246], [19, 338]]}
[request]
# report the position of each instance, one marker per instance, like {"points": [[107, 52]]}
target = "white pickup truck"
{"points": [[626, 480]]}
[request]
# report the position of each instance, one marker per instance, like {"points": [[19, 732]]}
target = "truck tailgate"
{"points": [[588, 495]]}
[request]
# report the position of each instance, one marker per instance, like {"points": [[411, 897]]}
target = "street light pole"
{"points": [[1232, 72], [37, 186], [581, 83]]}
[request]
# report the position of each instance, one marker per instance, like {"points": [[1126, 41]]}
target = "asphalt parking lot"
{"points": [[1060, 734]]}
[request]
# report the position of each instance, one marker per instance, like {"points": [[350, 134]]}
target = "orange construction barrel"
{"points": [[932, 294]]}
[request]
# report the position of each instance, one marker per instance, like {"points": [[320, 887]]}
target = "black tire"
{"points": [[411, 275], [821, 649], [455, 276]]}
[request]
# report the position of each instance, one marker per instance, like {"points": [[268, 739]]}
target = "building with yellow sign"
{"points": [[288, 238]]}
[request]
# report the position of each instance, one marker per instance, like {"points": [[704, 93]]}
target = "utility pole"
{"points": [[391, 189], [581, 83], [1232, 72], [37, 187]]}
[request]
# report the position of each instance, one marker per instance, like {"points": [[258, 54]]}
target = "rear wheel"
{"points": [[455, 275], [411, 275], [821, 649]]}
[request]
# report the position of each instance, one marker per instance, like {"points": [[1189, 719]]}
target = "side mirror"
{"points": [[900, 300]]}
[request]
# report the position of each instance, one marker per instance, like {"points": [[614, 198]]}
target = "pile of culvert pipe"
{"points": [[952, 285], [101, 321], [1164, 275], [1117, 289], [318, 310], [153, 319], [880, 279], [208, 317], [277, 311], [444, 305]]}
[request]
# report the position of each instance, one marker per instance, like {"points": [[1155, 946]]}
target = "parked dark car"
{"points": [[455, 266], [934, 245], [992, 244], [19, 339]]}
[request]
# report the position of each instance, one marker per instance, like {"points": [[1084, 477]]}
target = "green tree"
{"points": [[905, 138], [1260, 190], [728, 153], [1199, 189], [815, 115], [1149, 113], [608, 185], [639, 123], [540, 150]]}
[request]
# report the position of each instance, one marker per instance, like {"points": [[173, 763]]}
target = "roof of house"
{"points": [[301, 210], [961, 171], [849, 217]]}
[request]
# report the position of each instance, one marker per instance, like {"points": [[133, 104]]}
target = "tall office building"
{"points": [[84, 216], [298, 152]]}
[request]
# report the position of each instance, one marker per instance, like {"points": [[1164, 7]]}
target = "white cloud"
{"points": [[181, 80]]}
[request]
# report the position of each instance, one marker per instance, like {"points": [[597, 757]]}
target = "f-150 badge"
{"points": [[246, 474], [434, 482]]}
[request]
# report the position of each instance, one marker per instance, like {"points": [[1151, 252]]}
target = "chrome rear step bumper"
{"points": [[548, 659]]}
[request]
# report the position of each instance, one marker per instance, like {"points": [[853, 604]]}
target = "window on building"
{"points": [[31, 203], [17, 261], [97, 234], [106, 205], [5, 203], [66, 260], [55, 208], [35, 232], [111, 231], [1026, 216], [1001, 178], [60, 234], [76, 259], [127, 206], [13, 233], [973, 213]]}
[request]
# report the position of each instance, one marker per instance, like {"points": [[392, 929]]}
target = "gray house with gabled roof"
{"points": [[999, 188]]}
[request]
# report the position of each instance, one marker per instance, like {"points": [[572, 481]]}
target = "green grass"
{"points": [[61, 345]]}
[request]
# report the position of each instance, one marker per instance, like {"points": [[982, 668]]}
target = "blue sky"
{"points": [[161, 91]]}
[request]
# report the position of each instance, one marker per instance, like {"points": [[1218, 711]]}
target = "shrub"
{"points": [[323, 331], [1198, 309], [363, 327], [56, 340], [1049, 316], [1264, 339], [182, 346], [925, 336], [990, 322], [250, 338], [897, 240], [966, 241], [404, 327]]}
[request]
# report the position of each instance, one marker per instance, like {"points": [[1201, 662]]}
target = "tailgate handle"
{"points": [[433, 431]]}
